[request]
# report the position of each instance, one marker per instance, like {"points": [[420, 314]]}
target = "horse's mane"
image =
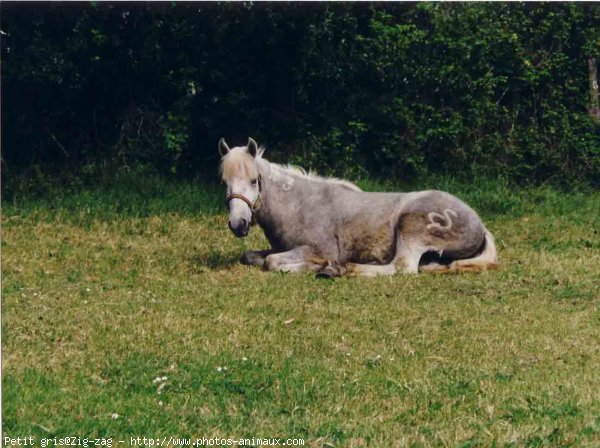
{"points": [[311, 175], [239, 162]]}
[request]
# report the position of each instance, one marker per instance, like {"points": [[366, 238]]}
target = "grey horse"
{"points": [[331, 227]]}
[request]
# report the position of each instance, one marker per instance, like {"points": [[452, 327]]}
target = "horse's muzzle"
{"points": [[240, 230]]}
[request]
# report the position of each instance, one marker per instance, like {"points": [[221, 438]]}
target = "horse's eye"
{"points": [[253, 182]]}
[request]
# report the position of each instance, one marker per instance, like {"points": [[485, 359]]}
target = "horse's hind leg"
{"points": [[406, 261], [410, 246], [370, 270], [408, 257], [302, 258], [255, 257], [486, 260]]}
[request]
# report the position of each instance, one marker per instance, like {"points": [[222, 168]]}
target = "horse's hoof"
{"points": [[328, 272], [351, 270]]}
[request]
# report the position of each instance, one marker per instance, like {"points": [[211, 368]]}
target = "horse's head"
{"points": [[239, 171]]}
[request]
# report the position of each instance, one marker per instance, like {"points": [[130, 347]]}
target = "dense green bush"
{"points": [[386, 90]]}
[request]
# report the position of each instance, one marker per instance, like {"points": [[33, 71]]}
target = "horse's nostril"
{"points": [[240, 228]]}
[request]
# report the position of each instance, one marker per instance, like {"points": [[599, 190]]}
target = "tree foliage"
{"points": [[388, 90]]}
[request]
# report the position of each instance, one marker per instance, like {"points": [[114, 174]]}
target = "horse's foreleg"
{"points": [[302, 258], [255, 257]]}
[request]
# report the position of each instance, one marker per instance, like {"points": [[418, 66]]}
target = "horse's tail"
{"points": [[487, 259]]}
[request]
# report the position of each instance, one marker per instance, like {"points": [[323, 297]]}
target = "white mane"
{"points": [[310, 175], [238, 162]]}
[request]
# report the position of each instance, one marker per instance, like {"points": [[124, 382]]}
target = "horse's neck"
{"points": [[279, 198], [277, 185]]}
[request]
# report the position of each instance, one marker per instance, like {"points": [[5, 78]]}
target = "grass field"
{"points": [[125, 313]]}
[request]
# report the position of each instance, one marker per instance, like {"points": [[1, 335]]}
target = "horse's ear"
{"points": [[223, 148], [252, 147]]}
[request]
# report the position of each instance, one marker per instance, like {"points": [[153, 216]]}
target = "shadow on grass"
{"points": [[213, 260]]}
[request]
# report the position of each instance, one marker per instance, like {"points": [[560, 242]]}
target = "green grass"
{"points": [[105, 290]]}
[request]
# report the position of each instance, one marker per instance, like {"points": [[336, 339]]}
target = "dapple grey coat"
{"points": [[331, 227]]}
